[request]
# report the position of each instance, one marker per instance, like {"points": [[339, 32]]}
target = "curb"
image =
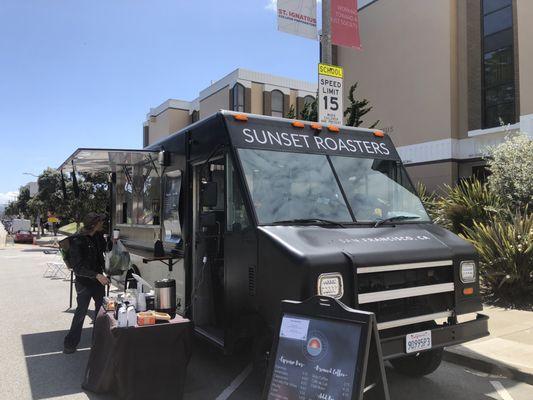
{"points": [[488, 366]]}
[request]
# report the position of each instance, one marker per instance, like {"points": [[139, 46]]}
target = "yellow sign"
{"points": [[330, 70]]}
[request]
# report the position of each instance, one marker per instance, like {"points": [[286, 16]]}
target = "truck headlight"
{"points": [[468, 271], [330, 285]]}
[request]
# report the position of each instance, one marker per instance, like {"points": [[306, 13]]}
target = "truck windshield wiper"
{"points": [[396, 218], [309, 221]]}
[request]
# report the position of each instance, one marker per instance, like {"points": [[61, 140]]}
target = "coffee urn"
{"points": [[165, 296]]}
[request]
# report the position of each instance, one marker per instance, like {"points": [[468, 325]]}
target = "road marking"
{"points": [[234, 385], [484, 374], [55, 352], [504, 394]]}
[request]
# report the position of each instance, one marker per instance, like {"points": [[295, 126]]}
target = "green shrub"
{"points": [[511, 167], [468, 202], [430, 200], [505, 247]]}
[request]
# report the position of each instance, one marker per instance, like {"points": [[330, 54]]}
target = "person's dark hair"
{"points": [[90, 221]]}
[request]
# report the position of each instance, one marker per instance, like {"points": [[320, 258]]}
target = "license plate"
{"points": [[418, 341]]}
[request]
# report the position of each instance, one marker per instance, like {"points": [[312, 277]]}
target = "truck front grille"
{"points": [[402, 292]]}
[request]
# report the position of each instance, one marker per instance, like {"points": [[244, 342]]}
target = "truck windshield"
{"points": [[378, 189], [291, 186], [287, 186]]}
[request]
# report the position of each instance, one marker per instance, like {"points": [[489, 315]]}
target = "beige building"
{"points": [[240, 90], [443, 76]]}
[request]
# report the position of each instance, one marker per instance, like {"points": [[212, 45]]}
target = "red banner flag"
{"points": [[345, 24]]}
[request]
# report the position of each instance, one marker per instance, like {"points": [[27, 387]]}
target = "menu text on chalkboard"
{"points": [[315, 359]]}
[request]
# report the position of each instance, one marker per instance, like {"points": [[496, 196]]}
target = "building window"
{"points": [[238, 98], [498, 64], [146, 136], [195, 116], [277, 103]]}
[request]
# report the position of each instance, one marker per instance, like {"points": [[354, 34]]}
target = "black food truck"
{"points": [[256, 210]]}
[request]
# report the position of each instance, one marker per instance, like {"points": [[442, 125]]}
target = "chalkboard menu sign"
{"points": [[315, 359], [322, 351]]}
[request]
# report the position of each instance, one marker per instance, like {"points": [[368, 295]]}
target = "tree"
{"points": [[36, 207], [511, 166], [11, 209], [50, 193], [357, 109], [310, 111], [292, 112], [93, 196], [22, 201]]}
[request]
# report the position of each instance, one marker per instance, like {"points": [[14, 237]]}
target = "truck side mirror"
{"points": [[208, 194]]}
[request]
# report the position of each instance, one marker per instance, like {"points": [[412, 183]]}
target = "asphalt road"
{"points": [[34, 321]]}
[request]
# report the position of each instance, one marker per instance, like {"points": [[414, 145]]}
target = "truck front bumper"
{"points": [[441, 336]]}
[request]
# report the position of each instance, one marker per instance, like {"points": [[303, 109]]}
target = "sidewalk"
{"points": [[49, 239], [508, 351]]}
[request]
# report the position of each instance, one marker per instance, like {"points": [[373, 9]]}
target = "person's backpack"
{"points": [[64, 249]]}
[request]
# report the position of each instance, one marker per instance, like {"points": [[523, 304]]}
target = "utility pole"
{"points": [[327, 57]]}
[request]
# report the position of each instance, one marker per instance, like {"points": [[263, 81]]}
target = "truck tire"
{"points": [[419, 364]]}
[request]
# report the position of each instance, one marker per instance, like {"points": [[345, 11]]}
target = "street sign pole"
{"points": [[327, 57]]}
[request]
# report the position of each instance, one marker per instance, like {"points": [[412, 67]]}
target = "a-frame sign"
{"points": [[325, 350]]}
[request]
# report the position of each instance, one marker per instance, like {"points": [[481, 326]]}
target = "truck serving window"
{"points": [[138, 195], [378, 189], [286, 186]]}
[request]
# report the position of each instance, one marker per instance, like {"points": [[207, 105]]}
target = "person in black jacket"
{"points": [[86, 256]]}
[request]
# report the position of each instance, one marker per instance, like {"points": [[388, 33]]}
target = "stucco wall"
{"points": [[257, 98], [169, 121], [433, 176], [178, 119], [218, 100], [525, 52], [404, 67]]}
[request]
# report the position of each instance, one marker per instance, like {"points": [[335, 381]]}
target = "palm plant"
{"points": [[505, 248]]}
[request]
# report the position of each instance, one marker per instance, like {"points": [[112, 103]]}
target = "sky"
{"points": [[85, 73]]}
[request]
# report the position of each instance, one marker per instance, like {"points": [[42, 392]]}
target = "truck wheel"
{"points": [[420, 364]]}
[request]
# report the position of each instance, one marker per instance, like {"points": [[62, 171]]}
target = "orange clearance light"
{"points": [[316, 126], [333, 128], [240, 117], [379, 133], [468, 291], [298, 124]]}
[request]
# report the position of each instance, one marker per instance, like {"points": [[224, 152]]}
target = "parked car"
{"points": [[19, 224], [23, 237]]}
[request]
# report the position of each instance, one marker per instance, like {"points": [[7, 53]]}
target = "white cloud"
{"points": [[6, 197], [272, 5]]}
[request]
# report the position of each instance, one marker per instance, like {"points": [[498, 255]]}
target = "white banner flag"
{"points": [[298, 17]]}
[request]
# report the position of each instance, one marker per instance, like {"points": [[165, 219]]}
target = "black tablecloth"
{"points": [[146, 362]]}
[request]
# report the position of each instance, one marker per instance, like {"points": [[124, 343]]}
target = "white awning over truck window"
{"points": [[107, 160]]}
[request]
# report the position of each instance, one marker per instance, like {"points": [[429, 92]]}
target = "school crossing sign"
{"points": [[330, 94]]}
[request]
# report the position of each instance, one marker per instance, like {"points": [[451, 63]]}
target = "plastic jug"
{"points": [[141, 301], [122, 317], [131, 316]]}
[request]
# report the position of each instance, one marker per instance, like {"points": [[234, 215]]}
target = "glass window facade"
{"points": [[498, 64], [277, 103]]}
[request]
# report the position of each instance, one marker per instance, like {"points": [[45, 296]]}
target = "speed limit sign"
{"points": [[330, 94]]}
